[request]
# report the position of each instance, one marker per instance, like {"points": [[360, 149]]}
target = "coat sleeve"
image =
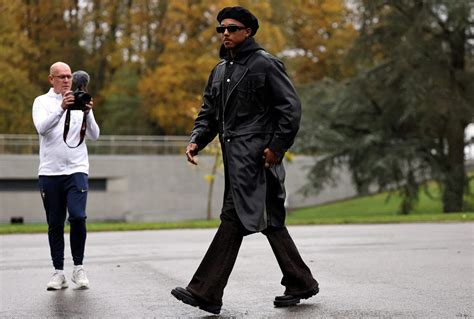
{"points": [[93, 130], [206, 125], [286, 108]]}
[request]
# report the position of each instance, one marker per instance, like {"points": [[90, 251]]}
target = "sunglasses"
{"points": [[230, 28]]}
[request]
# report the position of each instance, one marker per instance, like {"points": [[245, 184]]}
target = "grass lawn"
{"points": [[380, 209], [361, 210]]}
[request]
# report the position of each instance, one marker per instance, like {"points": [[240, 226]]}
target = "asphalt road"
{"points": [[364, 271]]}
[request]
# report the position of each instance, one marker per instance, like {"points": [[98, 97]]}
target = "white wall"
{"points": [[149, 188]]}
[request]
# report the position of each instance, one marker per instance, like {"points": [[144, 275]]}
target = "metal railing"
{"points": [[128, 144], [106, 144]]}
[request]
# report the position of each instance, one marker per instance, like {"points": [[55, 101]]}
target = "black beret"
{"points": [[240, 14]]}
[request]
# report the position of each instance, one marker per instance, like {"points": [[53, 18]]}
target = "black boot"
{"points": [[189, 299], [293, 300]]}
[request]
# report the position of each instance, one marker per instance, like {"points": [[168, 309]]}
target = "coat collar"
{"points": [[244, 50], [53, 94]]}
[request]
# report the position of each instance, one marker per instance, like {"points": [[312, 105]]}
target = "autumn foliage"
{"points": [[149, 60]]}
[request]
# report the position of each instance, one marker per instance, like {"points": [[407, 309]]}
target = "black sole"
{"points": [[286, 303]]}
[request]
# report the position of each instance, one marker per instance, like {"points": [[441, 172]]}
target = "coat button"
{"points": [[228, 80], [228, 140]]}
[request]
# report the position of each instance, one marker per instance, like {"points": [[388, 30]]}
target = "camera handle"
{"points": [[82, 134]]}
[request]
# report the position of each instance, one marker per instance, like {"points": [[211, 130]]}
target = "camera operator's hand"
{"points": [[89, 106], [68, 99]]}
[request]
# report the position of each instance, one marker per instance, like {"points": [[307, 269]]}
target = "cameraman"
{"points": [[63, 172]]}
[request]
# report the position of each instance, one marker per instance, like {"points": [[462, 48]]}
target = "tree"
{"points": [[319, 34], [215, 150], [54, 28], [122, 110], [168, 47], [122, 38], [401, 120], [16, 90], [172, 92]]}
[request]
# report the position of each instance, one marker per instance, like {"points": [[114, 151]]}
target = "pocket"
{"points": [[41, 187], [251, 95]]}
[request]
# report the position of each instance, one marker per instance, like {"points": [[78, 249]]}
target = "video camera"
{"points": [[80, 79]]}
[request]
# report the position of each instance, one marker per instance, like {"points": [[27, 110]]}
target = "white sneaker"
{"points": [[79, 278], [57, 281]]}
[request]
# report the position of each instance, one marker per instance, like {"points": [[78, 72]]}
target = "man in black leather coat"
{"points": [[250, 102]]}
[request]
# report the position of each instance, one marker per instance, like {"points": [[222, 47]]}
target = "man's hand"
{"points": [[89, 106], [191, 152], [270, 158], [68, 99]]}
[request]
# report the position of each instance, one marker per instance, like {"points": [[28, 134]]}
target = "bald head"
{"points": [[57, 67], [60, 77]]}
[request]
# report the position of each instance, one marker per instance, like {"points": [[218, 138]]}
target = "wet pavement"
{"points": [[364, 271]]}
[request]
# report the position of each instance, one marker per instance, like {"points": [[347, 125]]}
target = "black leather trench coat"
{"points": [[258, 109]]}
